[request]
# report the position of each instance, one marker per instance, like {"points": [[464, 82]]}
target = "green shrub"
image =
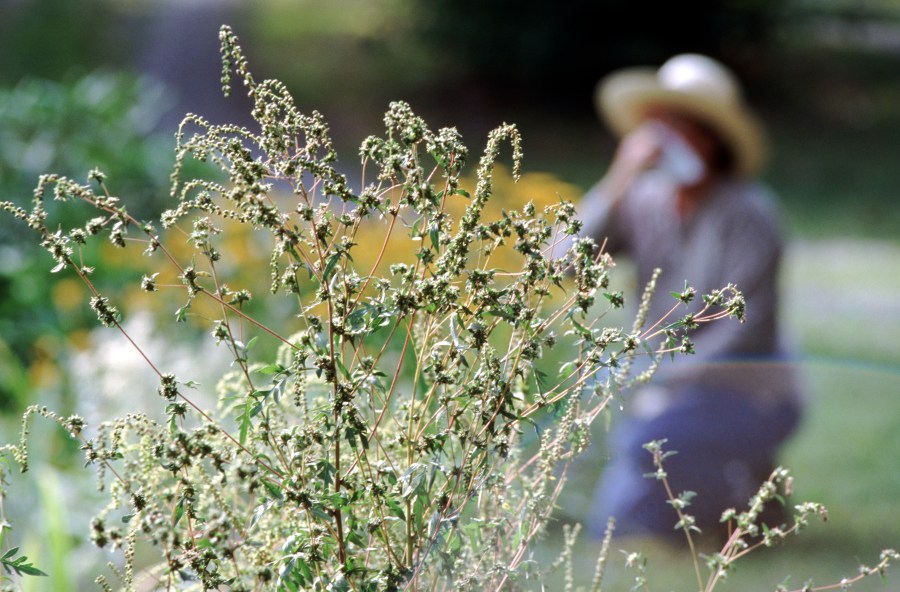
{"points": [[102, 118]]}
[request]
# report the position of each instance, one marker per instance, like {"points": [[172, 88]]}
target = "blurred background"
{"points": [[104, 83]]}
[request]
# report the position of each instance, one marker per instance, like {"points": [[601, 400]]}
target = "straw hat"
{"points": [[692, 84]]}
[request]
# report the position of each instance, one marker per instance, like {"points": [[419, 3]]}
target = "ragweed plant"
{"points": [[374, 432], [747, 530]]}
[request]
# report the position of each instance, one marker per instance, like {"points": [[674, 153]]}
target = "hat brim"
{"points": [[624, 98]]}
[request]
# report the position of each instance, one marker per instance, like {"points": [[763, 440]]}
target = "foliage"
{"points": [[378, 435], [19, 565], [50, 38], [101, 118]]}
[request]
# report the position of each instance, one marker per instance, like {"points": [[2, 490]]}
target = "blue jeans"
{"points": [[726, 447]]}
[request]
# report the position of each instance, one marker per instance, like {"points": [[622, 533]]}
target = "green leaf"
{"points": [[356, 317], [318, 512], [339, 584], [453, 332], [433, 523], [581, 328], [329, 266], [273, 489], [205, 543], [20, 566], [395, 508], [287, 567], [245, 424], [271, 369], [412, 478], [503, 313], [337, 501], [342, 368], [534, 424], [179, 512], [326, 472], [278, 389], [540, 378], [260, 510], [435, 239], [357, 540]]}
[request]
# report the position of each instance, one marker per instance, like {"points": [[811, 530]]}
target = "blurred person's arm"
{"points": [[600, 206]]}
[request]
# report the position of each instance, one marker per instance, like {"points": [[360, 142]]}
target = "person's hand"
{"points": [[637, 152]]}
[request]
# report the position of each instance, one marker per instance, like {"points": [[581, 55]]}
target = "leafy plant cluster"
{"points": [[390, 431], [103, 118]]}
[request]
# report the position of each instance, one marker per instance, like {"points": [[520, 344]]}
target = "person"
{"points": [[682, 195]]}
